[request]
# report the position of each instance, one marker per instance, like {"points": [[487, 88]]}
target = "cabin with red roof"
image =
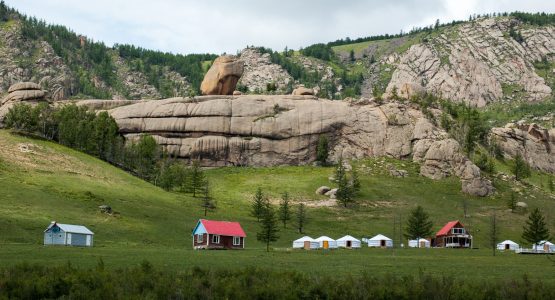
{"points": [[452, 235], [210, 234]]}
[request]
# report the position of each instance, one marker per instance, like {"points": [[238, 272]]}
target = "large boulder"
{"points": [[22, 86], [28, 92], [223, 76], [303, 91]]}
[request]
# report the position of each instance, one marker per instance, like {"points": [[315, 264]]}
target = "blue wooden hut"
{"points": [[69, 235]]}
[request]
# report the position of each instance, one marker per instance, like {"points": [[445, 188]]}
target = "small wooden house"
{"points": [[69, 235], [452, 235], [210, 234]]}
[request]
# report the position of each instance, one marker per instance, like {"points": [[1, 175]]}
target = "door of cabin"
{"points": [[326, 245], [349, 244], [382, 243], [507, 247], [422, 244], [306, 245]]}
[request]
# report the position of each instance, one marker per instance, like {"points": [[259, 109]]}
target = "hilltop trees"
{"points": [[198, 179], [301, 217], [257, 205], [347, 188], [418, 224], [535, 229], [207, 202]]}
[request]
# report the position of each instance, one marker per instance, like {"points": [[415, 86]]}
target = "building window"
{"points": [[236, 241], [215, 239], [199, 238], [458, 230]]}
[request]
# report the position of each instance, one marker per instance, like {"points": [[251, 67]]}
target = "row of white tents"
{"points": [[543, 246], [349, 242]]}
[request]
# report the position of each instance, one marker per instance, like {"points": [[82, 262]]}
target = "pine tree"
{"points": [[520, 168], [535, 229], [322, 150], [301, 217], [511, 203], [344, 192], [268, 227], [494, 232], [352, 55], [197, 178], [207, 203], [355, 181], [257, 206], [284, 209], [418, 224]]}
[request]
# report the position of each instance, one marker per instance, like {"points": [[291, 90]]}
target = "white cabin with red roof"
{"points": [[210, 234], [453, 235]]}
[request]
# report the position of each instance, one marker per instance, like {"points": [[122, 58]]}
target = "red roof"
{"points": [[447, 228], [223, 228]]}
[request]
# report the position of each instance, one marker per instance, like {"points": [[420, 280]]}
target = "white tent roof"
{"points": [[305, 239], [324, 238], [421, 240], [508, 242], [380, 237], [545, 243], [348, 238]]}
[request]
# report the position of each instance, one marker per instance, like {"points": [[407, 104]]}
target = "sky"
{"points": [[218, 26]]}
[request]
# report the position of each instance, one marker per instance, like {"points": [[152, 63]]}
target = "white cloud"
{"points": [[187, 26]]}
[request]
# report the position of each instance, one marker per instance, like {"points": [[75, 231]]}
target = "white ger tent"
{"points": [[507, 245], [380, 241], [348, 242], [545, 246], [326, 242], [306, 243], [420, 243]]}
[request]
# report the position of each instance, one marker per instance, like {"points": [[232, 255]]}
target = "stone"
{"points": [[222, 77], [398, 173], [331, 193], [237, 93], [303, 91], [523, 205], [106, 209], [22, 86], [259, 71], [24, 95], [323, 190]]}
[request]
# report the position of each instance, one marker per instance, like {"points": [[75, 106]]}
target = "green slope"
{"points": [[56, 183]]}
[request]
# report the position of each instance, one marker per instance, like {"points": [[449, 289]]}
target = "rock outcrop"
{"points": [[28, 92], [260, 71], [534, 143], [303, 91], [223, 76], [284, 130], [478, 63]]}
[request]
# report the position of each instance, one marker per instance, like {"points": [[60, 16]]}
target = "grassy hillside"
{"points": [[52, 182]]}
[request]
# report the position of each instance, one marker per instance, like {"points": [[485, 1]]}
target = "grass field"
{"points": [[50, 182]]}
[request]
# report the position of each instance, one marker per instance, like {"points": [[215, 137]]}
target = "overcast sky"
{"points": [[217, 26]]}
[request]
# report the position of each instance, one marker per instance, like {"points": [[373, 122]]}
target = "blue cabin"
{"points": [[68, 235]]}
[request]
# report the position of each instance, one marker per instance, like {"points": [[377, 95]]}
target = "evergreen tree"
{"points": [[197, 178], [257, 206], [520, 168], [207, 202], [322, 150], [550, 184], [284, 209], [352, 55], [301, 217], [268, 227], [344, 192], [418, 224], [511, 203], [355, 181], [535, 229], [493, 233]]}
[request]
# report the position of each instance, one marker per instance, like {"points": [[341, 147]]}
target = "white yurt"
{"points": [[326, 242], [380, 241], [306, 243], [507, 245], [348, 242], [545, 246], [420, 243]]}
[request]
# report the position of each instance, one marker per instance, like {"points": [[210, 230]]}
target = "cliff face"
{"points": [[478, 62], [284, 130]]}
